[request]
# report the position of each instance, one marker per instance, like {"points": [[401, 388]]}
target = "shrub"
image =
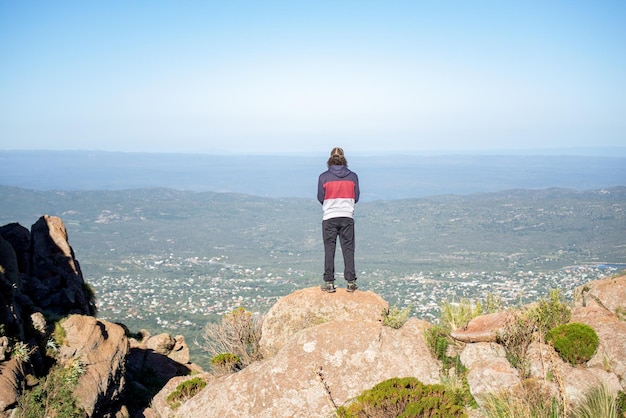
{"points": [[550, 312], [599, 402], [457, 315], [59, 335], [396, 317], [184, 391], [226, 363], [238, 333], [515, 338], [53, 397], [576, 343], [21, 351], [529, 399], [403, 397], [532, 324]]}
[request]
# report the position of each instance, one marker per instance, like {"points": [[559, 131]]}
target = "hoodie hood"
{"points": [[339, 170]]}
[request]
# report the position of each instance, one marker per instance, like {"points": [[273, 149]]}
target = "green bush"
{"points": [[576, 343], [404, 397], [226, 363], [396, 317], [184, 391], [53, 397], [550, 312]]}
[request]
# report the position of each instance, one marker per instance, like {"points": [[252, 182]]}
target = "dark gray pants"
{"points": [[344, 229]]}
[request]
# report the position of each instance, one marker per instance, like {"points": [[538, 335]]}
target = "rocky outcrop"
{"points": [[101, 347], [41, 283], [609, 294], [310, 307], [55, 283], [333, 347]]}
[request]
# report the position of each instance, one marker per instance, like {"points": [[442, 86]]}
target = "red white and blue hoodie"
{"points": [[338, 192]]}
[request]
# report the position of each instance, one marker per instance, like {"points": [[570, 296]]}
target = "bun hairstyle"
{"points": [[337, 157]]}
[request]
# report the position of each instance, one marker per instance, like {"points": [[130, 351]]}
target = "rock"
{"points": [[11, 386], [611, 353], [56, 282], [180, 351], [477, 353], [19, 238], [483, 328], [102, 348], [310, 307], [320, 365], [609, 293], [159, 406], [492, 376], [5, 348], [10, 294], [38, 322], [160, 344]]}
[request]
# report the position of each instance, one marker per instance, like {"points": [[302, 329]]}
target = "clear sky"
{"points": [[300, 76]]}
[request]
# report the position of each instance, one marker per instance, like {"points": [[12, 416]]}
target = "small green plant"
{"points": [[621, 403], [396, 317], [238, 333], [454, 315], [59, 336], [516, 337], [531, 324], [226, 363], [21, 351], [404, 397], [550, 312], [53, 397], [529, 399], [599, 402], [576, 343], [184, 391]]}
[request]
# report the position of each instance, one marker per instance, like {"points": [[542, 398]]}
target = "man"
{"points": [[338, 192]]}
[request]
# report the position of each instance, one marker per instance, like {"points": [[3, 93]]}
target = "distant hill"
{"points": [[384, 177], [532, 229]]}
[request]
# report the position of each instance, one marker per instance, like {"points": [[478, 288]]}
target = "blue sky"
{"points": [[304, 76]]}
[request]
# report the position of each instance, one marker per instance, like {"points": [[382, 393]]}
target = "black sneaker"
{"points": [[328, 287], [352, 286]]}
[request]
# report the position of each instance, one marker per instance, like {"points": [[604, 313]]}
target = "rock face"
{"points": [[55, 282], [40, 283], [310, 307], [332, 348], [101, 347]]}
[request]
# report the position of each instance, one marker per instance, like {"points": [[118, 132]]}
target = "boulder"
{"points": [[12, 381], [483, 328], [609, 293], [611, 353], [55, 282], [102, 348], [342, 350], [477, 353], [310, 307]]}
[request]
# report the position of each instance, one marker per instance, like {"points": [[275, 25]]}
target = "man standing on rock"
{"points": [[338, 192]]}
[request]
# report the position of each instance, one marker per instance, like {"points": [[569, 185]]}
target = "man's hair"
{"points": [[337, 157]]}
